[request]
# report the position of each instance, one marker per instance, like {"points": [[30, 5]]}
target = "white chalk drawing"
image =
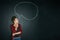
{"points": [[22, 14]]}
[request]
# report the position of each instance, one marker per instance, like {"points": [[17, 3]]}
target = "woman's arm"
{"points": [[20, 32], [16, 33]]}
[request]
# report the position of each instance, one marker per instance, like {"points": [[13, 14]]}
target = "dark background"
{"points": [[45, 27]]}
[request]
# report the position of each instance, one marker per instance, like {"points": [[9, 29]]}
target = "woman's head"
{"points": [[14, 20]]}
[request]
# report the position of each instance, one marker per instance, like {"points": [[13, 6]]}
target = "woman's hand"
{"points": [[18, 33], [13, 34]]}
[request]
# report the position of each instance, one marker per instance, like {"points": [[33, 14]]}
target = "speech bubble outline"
{"points": [[22, 14]]}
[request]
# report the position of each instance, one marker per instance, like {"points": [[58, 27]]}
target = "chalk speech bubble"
{"points": [[22, 14]]}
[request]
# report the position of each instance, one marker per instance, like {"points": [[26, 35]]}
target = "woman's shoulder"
{"points": [[20, 25]]}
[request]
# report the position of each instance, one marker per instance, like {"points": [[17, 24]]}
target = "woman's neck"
{"points": [[16, 25]]}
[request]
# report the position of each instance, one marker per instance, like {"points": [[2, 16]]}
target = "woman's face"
{"points": [[16, 21]]}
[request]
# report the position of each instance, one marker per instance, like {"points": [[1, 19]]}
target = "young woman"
{"points": [[16, 29]]}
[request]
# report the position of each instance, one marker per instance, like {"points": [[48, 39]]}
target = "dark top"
{"points": [[13, 30], [18, 35]]}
